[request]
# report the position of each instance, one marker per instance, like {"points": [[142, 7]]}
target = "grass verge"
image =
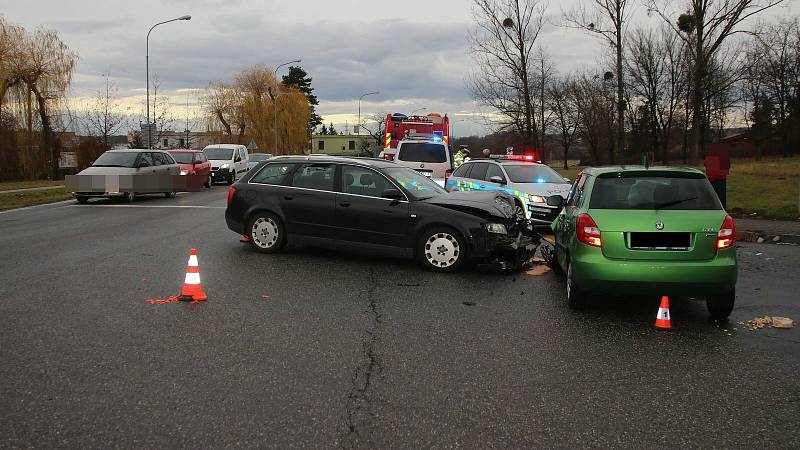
{"points": [[21, 199], [9, 185]]}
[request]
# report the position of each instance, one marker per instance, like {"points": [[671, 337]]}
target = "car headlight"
{"points": [[537, 199], [225, 166], [496, 228], [184, 172]]}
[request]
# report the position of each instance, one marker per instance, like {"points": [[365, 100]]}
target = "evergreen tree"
{"points": [[324, 131], [762, 115], [332, 131], [298, 78]]}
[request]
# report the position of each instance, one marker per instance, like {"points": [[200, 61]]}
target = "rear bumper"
{"points": [[595, 273]]}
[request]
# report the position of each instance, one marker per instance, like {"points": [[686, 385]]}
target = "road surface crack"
{"points": [[359, 401]]}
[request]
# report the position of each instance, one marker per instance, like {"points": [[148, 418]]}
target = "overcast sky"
{"points": [[415, 52]]}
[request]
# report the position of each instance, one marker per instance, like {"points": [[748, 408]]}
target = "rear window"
{"points": [[654, 192], [531, 173], [423, 152], [182, 157]]}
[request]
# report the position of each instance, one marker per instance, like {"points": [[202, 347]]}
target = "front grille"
{"points": [[660, 241]]}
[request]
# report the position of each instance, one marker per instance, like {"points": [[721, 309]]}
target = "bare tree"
{"points": [[375, 126], [780, 70], [503, 45], [595, 104], [561, 102], [606, 19], [544, 74], [704, 27], [103, 117], [655, 63], [162, 113]]}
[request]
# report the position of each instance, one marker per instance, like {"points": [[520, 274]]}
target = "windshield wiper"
{"points": [[674, 202]]}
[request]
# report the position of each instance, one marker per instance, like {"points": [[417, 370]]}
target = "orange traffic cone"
{"points": [[192, 288], [663, 321]]}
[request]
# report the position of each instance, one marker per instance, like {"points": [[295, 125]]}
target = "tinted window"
{"points": [[146, 159], [462, 171], [314, 176], [533, 173], [423, 152], [200, 157], [182, 157], [167, 158], [273, 174], [362, 181], [320, 145], [494, 171], [576, 192], [219, 153], [653, 192], [478, 171], [116, 159]]}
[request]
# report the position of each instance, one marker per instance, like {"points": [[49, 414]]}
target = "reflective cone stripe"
{"points": [[192, 287], [663, 321]]}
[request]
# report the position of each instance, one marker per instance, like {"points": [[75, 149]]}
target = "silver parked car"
{"points": [[126, 174], [256, 158]]}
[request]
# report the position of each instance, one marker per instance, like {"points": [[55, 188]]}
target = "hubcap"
{"points": [[264, 232], [442, 250]]}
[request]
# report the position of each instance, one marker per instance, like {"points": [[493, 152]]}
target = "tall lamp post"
{"points": [[418, 109], [147, 69], [359, 107], [275, 100]]}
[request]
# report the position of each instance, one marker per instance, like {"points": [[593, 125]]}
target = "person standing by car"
{"points": [[487, 153], [462, 156]]}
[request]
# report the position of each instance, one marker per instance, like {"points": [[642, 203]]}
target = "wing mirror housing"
{"points": [[392, 194], [555, 201], [497, 180]]}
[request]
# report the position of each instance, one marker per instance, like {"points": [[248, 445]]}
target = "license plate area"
{"points": [[674, 241], [427, 173]]}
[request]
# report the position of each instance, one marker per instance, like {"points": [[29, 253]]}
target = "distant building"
{"points": [[342, 145]]}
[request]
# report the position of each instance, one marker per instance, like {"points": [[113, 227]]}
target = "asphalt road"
{"points": [[361, 352]]}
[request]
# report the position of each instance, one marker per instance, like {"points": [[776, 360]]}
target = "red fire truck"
{"points": [[400, 126]]}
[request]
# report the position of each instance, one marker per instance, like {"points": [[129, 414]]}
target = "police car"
{"points": [[528, 180]]}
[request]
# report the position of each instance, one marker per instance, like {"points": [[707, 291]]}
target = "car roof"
{"points": [[371, 162], [134, 150], [624, 169], [183, 150]]}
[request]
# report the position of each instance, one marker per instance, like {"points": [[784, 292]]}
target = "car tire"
{"points": [[169, 194], [519, 211], [576, 298], [721, 306], [441, 249], [129, 197], [82, 199], [266, 232]]}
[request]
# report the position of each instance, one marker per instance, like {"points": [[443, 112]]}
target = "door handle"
{"points": [[288, 197], [344, 204]]}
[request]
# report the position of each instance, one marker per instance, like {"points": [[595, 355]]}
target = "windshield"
{"points": [[532, 173], [116, 159], [258, 157], [219, 153], [654, 192], [422, 152], [182, 157], [420, 186]]}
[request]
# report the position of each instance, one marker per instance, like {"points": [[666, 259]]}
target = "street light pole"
{"points": [[359, 107], [147, 69], [275, 101], [418, 109]]}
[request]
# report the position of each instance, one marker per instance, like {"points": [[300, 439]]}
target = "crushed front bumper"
{"points": [[504, 251]]}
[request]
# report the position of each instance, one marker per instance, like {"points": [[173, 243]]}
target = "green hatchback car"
{"points": [[646, 231]]}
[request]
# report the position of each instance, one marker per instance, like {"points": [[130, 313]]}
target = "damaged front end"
{"points": [[505, 241]]}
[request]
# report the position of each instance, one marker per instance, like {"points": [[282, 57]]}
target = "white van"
{"points": [[428, 156], [228, 162]]}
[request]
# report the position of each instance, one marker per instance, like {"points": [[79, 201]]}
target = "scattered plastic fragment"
{"points": [[782, 322], [767, 321], [539, 270]]}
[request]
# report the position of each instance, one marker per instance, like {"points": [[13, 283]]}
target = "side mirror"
{"points": [[393, 194], [497, 180], [237, 159], [555, 200]]}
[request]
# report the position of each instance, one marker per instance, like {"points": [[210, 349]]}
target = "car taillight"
{"points": [[231, 194], [727, 234], [587, 230]]}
